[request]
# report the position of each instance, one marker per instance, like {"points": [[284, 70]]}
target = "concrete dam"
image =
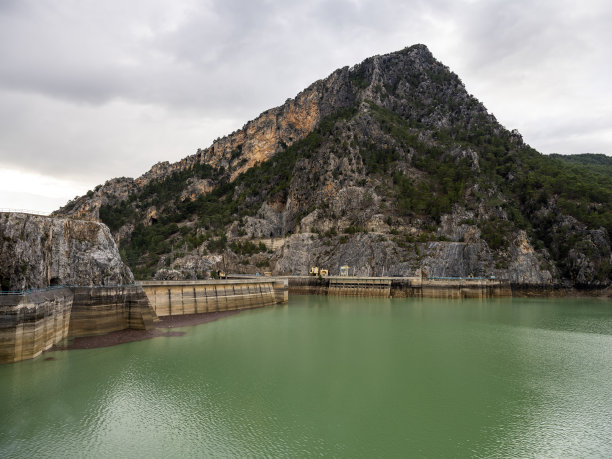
{"points": [[170, 298], [400, 287], [32, 322]]}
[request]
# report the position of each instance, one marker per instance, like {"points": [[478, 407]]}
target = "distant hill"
{"points": [[596, 162], [389, 166]]}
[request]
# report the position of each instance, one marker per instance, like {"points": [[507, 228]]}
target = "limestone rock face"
{"points": [[257, 141], [196, 188], [456, 259], [269, 222], [37, 252], [190, 267], [168, 274], [87, 207], [525, 265]]}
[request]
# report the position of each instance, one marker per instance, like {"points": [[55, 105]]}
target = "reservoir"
{"points": [[331, 376]]}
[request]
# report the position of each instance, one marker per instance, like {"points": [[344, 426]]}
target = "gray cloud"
{"points": [[93, 89]]}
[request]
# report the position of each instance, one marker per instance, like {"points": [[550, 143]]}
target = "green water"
{"points": [[333, 377]]}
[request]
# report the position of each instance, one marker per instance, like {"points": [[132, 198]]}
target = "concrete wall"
{"points": [[101, 310], [455, 288], [169, 298], [339, 285], [308, 285], [354, 286], [31, 323], [399, 287]]}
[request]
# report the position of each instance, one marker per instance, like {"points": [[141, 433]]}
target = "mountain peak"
{"points": [[387, 164]]}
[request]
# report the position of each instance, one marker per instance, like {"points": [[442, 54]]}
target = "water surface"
{"points": [[331, 376]]}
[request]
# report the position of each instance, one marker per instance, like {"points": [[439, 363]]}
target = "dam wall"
{"points": [[169, 298], [353, 286], [451, 288], [399, 287], [101, 310], [32, 322]]}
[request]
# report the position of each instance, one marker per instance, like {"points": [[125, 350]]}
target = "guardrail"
{"points": [[57, 287], [45, 214], [26, 211], [32, 290], [460, 278]]}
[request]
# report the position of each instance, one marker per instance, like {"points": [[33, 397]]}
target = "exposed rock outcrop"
{"points": [[37, 252]]}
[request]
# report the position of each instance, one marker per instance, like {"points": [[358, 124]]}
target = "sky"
{"points": [[91, 90]]}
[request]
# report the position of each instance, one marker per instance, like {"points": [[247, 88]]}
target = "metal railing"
{"points": [[460, 278], [57, 287], [45, 214], [32, 290], [25, 211]]}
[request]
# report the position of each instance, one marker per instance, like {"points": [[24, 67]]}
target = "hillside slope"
{"points": [[594, 162], [391, 167]]}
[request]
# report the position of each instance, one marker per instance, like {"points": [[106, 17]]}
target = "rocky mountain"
{"points": [[37, 252], [390, 167]]}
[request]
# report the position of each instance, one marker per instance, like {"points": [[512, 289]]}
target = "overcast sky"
{"points": [[91, 90]]}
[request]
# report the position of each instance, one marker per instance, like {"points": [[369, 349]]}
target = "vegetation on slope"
{"points": [[532, 186], [424, 146], [595, 162], [229, 201]]}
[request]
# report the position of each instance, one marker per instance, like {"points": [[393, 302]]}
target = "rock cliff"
{"points": [[37, 252], [391, 167]]}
